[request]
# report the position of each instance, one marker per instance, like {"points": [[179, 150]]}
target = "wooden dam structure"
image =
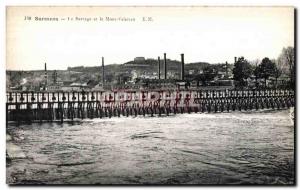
{"points": [[27, 107]]}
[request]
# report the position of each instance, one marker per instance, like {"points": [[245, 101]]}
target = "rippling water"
{"points": [[220, 148]]}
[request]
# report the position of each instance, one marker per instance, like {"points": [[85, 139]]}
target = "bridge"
{"points": [[27, 107]]}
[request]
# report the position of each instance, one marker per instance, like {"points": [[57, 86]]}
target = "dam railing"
{"points": [[59, 106]]}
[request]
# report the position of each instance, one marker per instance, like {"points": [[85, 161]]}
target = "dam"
{"points": [[59, 106]]}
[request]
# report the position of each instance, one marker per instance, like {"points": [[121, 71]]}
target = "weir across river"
{"points": [[59, 106]]}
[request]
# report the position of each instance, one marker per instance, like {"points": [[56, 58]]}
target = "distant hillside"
{"points": [[149, 65], [115, 73], [172, 65]]}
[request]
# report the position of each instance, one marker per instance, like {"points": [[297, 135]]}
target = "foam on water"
{"points": [[249, 147]]}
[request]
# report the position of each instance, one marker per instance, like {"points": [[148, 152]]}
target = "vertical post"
{"points": [[158, 67], [182, 66], [103, 79], [78, 110], [235, 59], [16, 97], [48, 107], [165, 61], [28, 116]]}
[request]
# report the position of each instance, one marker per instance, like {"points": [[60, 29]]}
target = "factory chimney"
{"points": [[158, 67], [182, 66], [46, 76], [103, 80], [165, 61], [235, 59], [226, 65]]}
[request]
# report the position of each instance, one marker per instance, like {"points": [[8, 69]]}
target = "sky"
{"points": [[207, 34]]}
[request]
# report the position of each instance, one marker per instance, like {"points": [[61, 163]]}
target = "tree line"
{"points": [[265, 69]]}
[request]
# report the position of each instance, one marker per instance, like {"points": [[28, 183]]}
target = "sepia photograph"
{"points": [[150, 95]]}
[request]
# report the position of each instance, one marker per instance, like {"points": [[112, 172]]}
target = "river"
{"points": [[254, 147]]}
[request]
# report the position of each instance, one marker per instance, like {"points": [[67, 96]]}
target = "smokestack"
{"points": [[182, 66], [103, 71], [54, 77], [235, 59], [46, 76], [226, 64], [165, 61], [158, 67]]}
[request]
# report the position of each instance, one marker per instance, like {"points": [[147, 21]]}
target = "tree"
{"points": [[255, 64], [277, 74], [242, 70], [266, 69], [286, 63]]}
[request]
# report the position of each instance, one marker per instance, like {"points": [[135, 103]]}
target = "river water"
{"points": [[216, 148]]}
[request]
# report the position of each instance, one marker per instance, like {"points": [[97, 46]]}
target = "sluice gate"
{"points": [[59, 106]]}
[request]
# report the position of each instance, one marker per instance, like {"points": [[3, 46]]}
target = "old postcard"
{"points": [[150, 95]]}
